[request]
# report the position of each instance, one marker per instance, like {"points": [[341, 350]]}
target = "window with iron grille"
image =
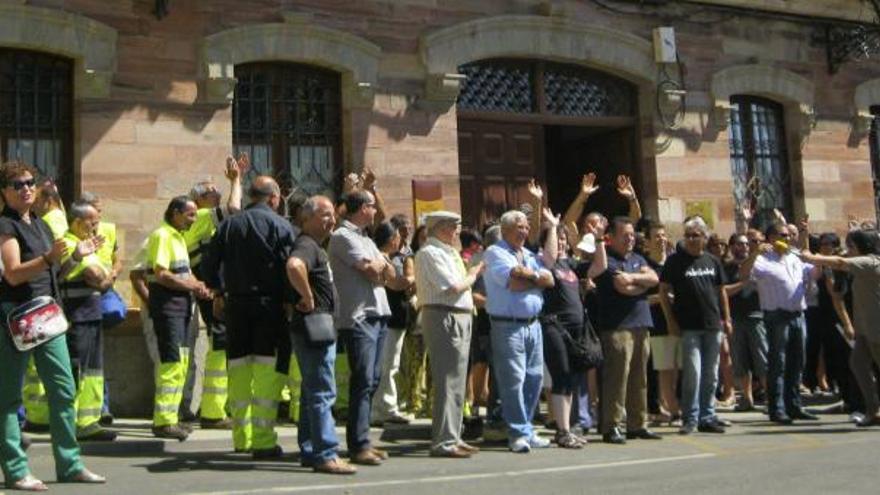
{"points": [[759, 158], [287, 117], [874, 140], [36, 113], [522, 86]]}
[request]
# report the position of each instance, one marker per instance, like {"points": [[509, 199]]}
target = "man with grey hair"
{"points": [[360, 271], [514, 284], [444, 286], [696, 279], [244, 267]]}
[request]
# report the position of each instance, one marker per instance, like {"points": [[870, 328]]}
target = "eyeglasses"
{"points": [[18, 185]]}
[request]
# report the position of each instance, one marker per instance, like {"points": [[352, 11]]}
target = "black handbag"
{"points": [[593, 355], [320, 330]]}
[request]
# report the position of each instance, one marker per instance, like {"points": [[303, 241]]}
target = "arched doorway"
{"points": [[519, 119]]}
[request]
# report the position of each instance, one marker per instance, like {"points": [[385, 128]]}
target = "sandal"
{"points": [[28, 484], [568, 441], [85, 476]]}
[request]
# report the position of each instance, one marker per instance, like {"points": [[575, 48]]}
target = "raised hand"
{"points": [[779, 216], [351, 182], [625, 187], [59, 248], [368, 179], [551, 219], [588, 184], [535, 191]]}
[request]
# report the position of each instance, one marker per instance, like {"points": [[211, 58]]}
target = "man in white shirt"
{"points": [[444, 293], [781, 279]]}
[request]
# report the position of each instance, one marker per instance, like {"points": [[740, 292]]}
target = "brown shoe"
{"points": [[469, 448], [453, 453], [170, 431], [381, 454], [366, 457], [216, 424], [335, 466]]}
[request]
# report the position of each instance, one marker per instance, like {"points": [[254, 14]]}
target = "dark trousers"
{"points": [[817, 330], [785, 356], [254, 327], [85, 346], [216, 327], [363, 345]]}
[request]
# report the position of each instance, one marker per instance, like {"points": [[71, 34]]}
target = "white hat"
{"points": [[435, 217], [587, 243]]}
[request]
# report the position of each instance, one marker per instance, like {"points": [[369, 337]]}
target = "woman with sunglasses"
{"points": [[31, 260]]}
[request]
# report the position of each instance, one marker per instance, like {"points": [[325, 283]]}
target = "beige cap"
{"points": [[435, 217]]}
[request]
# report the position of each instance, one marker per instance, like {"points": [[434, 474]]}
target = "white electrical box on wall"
{"points": [[664, 45]]}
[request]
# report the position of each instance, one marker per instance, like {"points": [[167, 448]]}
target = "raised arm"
{"points": [[234, 170], [536, 201], [551, 245], [576, 209], [626, 189], [834, 262]]}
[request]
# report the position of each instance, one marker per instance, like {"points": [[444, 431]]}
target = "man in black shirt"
{"points": [[308, 271], [624, 322], [244, 267], [749, 342], [696, 279]]}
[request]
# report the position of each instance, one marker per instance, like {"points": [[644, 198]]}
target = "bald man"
{"points": [[244, 267]]}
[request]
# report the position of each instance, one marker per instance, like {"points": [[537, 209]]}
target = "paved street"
{"points": [[829, 457]]}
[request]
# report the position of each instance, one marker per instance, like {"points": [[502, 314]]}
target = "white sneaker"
{"points": [[520, 446], [537, 442]]}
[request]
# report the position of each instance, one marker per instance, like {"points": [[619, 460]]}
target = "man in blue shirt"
{"points": [[514, 282]]}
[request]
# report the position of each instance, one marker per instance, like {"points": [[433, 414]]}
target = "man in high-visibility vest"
{"points": [[108, 254], [171, 288], [83, 280], [244, 265], [209, 215], [49, 206]]}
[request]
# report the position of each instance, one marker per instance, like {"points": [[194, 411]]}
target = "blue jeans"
{"points": [[580, 411], [700, 350], [316, 432], [363, 346], [518, 356], [786, 339]]}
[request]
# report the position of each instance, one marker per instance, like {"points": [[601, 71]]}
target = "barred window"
{"points": [[287, 117], [759, 158], [540, 87], [36, 114]]}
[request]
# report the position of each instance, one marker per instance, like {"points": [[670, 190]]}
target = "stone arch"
{"points": [[551, 38], [91, 44], [295, 40], [867, 94], [794, 91]]}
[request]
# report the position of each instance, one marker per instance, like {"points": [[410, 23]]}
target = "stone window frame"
{"points": [[90, 44], [794, 92], [866, 95], [297, 39]]}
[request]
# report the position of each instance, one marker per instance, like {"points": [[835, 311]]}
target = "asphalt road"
{"points": [[754, 456]]}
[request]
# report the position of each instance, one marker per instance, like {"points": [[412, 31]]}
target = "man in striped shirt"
{"points": [[781, 279]]}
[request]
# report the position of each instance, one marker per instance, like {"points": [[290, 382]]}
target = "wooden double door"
{"points": [[497, 160]]}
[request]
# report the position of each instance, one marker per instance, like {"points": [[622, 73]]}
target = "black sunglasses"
{"points": [[18, 185]]}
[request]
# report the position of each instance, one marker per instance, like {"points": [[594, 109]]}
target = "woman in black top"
{"points": [[562, 322], [30, 260]]}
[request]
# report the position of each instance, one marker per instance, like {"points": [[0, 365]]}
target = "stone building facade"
{"points": [[428, 89]]}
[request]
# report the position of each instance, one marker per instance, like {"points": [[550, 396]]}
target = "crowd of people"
{"points": [[613, 324]]}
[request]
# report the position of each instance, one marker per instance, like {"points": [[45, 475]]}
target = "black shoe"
{"points": [[710, 427], [803, 414], [106, 419], [723, 422], [643, 434], [863, 423], [170, 431], [98, 435], [35, 427], [614, 436], [687, 429], [782, 419], [186, 416], [270, 453]]}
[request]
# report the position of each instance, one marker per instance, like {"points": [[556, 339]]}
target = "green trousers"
{"points": [[53, 365]]}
